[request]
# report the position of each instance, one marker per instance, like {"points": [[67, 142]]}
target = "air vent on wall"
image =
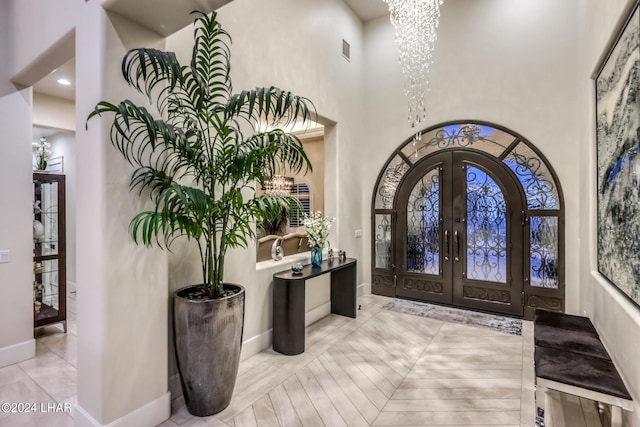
{"points": [[346, 50]]}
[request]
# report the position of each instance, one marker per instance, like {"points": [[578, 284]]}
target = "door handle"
{"points": [[446, 245], [456, 245]]}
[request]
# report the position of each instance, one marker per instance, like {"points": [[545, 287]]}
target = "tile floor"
{"points": [[48, 380], [383, 368]]}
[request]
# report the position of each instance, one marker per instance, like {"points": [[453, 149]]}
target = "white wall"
{"points": [[121, 288], [45, 31], [16, 212], [615, 317], [49, 111], [510, 63], [296, 45]]}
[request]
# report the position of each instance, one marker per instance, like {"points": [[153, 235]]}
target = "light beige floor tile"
{"points": [[428, 356], [264, 412], [25, 391], [54, 374], [64, 345], [477, 366], [380, 361], [38, 419], [216, 422], [447, 418], [367, 386], [385, 386], [286, 413], [426, 373], [476, 340], [351, 389], [456, 393], [301, 402], [337, 397], [196, 422], [246, 418], [328, 413], [452, 405], [12, 374], [485, 352], [462, 383]]}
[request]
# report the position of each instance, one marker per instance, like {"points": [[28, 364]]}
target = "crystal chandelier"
{"points": [[415, 23], [279, 185]]}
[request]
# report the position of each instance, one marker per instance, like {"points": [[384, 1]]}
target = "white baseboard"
{"points": [[317, 313], [17, 352], [364, 289], [256, 344], [153, 413]]}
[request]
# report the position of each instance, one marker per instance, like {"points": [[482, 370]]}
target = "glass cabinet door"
{"points": [[49, 278]]}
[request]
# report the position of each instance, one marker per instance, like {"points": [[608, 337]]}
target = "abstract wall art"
{"points": [[618, 165]]}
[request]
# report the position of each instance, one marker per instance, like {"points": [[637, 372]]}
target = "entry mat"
{"points": [[507, 325]]}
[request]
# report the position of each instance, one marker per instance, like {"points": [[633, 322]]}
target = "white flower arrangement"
{"points": [[42, 150], [317, 228]]}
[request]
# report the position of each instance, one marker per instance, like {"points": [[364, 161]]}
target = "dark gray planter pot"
{"points": [[208, 337]]}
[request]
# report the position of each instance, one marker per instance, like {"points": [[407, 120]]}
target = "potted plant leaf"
{"points": [[198, 162]]}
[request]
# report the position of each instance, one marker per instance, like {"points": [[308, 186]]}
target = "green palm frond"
{"points": [[193, 161]]}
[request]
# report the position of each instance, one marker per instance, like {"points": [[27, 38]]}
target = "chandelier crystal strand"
{"points": [[415, 23]]}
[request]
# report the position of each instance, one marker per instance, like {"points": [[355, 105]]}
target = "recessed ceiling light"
{"points": [[64, 82]]}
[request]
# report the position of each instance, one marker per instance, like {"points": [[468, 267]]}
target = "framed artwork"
{"points": [[618, 165]]}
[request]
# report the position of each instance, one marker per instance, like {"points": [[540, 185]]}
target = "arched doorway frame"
{"points": [[543, 253]]}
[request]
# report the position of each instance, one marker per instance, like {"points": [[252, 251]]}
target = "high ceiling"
{"points": [[368, 9], [163, 21]]}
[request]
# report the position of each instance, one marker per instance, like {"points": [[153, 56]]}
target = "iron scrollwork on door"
{"points": [[423, 225], [486, 228]]}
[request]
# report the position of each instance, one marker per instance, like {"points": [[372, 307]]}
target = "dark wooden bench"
{"points": [[570, 358]]}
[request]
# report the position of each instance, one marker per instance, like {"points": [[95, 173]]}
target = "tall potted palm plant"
{"points": [[198, 162]]}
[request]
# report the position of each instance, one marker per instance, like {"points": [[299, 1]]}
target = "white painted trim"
{"points": [[71, 287], [17, 352], [153, 413], [317, 313], [364, 289], [256, 344]]}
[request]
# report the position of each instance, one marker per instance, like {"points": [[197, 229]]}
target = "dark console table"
{"points": [[288, 300]]}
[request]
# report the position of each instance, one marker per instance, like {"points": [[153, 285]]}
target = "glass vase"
{"points": [[316, 256]]}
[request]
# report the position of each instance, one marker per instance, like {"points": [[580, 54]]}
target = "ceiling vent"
{"points": [[346, 50]]}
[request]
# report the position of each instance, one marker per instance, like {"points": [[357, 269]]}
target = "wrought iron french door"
{"points": [[459, 234]]}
